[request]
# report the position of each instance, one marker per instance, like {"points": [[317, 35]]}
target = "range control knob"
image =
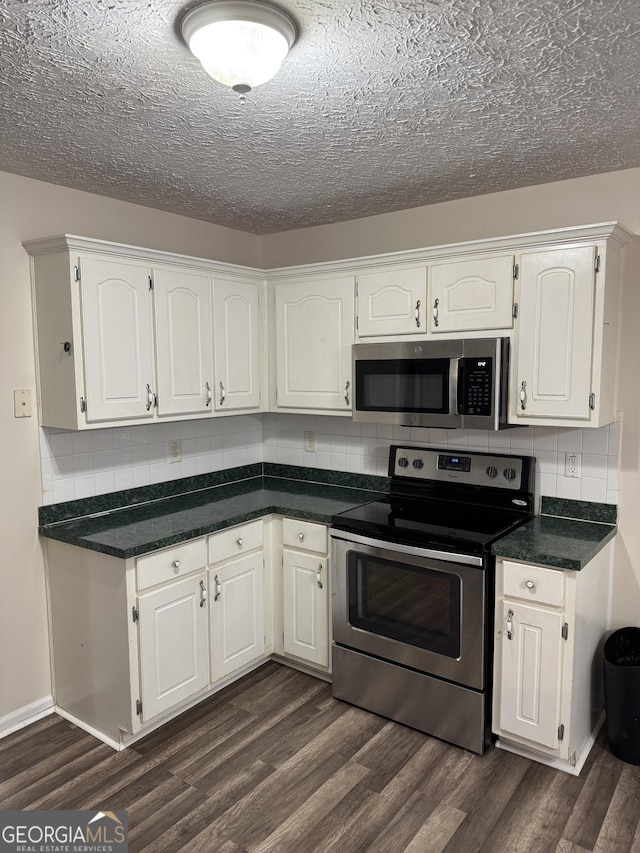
{"points": [[492, 471], [509, 473], [403, 462], [418, 463]]}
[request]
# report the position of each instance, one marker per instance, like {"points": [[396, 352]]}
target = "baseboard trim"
{"points": [[26, 715]]}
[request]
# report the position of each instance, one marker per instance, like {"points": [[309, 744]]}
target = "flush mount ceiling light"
{"points": [[241, 43]]}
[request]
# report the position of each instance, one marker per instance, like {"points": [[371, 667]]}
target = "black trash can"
{"points": [[622, 693]]}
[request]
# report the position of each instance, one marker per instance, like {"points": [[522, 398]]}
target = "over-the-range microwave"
{"points": [[449, 384]]}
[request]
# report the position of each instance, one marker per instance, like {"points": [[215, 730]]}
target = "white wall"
{"points": [[31, 209]]}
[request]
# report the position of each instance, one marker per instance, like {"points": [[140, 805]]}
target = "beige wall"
{"points": [[583, 201], [30, 209]]}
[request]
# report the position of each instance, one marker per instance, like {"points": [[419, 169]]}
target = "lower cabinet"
{"points": [[305, 584], [549, 631]]}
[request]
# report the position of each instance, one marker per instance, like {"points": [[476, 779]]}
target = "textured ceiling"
{"points": [[380, 105]]}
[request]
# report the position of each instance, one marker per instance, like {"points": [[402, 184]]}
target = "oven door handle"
{"points": [[464, 559]]}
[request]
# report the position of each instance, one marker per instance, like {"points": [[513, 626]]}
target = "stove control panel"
{"points": [[495, 471]]}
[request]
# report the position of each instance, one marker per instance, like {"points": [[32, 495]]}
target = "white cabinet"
{"points": [[116, 337], [391, 302], [549, 627], [314, 334], [237, 341], [471, 294], [306, 592], [565, 354], [174, 653], [236, 599], [182, 311]]}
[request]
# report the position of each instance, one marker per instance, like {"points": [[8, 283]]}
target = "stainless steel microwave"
{"points": [[447, 384]]}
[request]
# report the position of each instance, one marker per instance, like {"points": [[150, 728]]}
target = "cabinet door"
{"points": [[531, 673], [314, 334], [118, 355], [174, 652], [555, 334], [183, 341], [306, 607], [237, 614], [392, 302], [237, 344], [472, 294]]}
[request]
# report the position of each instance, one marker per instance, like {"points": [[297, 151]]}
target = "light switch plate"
{"points": [[22, 405]]}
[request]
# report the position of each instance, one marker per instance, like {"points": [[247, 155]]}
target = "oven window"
{"points": [[403, 385], [414, 605]]}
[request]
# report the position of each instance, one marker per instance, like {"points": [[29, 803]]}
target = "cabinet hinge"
{"points": [[150, 283], [565, 631], [514, 310], [138, 708], [516, 270], [83, 405], [76, 273], [135, 614], [357, 322], [592, 401], [561, 731], [596, 265]]}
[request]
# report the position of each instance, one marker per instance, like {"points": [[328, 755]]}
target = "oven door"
{"points": [[420, 608]]}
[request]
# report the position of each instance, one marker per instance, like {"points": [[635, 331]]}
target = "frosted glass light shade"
{"points": [[241, 44]]}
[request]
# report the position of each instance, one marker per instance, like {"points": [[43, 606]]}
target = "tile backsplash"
{"points": [[93, 462]]}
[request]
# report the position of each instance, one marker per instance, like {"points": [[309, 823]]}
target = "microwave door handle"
{"points": [[455, 391]]}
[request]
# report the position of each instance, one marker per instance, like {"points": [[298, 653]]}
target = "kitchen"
{"points": [[32, 209]]}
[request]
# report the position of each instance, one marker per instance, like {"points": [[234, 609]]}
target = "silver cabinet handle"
{"points": [[223, 393], [510, 625], [417, 313], [531, 586], [523, 394], [203, 597], [218, 592], [346, 393], [319, 576], [151, 398], [435, 312], [301, 537], [208, 392], [239, 541], [176, 564]]}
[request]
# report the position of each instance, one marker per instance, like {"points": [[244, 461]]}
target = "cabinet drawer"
{"points": [[305, 535], [171, 563], [235, 541], [533, 583]]}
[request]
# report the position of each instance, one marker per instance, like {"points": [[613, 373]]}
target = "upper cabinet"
{"points": [[237, 341], [565, 353], [471, 295], [392, 302], [314, 334], [126, 334]]}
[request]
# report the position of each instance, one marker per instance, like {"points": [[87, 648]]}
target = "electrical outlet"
{"points": [[310, 441], [175, 450], [572, 464]]}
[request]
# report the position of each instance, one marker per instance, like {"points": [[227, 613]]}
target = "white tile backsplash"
{"points": [[95, 462]]}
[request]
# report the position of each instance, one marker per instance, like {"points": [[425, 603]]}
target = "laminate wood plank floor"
{"points": [[274, 764]]}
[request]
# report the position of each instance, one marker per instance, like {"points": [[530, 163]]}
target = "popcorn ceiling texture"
{"points": [[380, 105]]}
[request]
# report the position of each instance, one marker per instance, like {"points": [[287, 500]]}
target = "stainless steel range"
{"points": [[413, 589]]}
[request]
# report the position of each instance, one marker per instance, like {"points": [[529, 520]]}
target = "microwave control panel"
{"points": [[477, 386]]}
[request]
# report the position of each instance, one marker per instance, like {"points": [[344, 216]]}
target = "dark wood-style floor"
{"points": [[274, 763]]}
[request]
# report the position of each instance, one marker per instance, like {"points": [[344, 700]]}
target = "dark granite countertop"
{"points": [[563, 543], [131, 531]]}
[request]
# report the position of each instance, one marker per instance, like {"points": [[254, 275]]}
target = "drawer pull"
{"points": [[218, 588], [301, 537], [510, 625], [239, 540], [203, 597], [176, 564], [530, 586]]}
